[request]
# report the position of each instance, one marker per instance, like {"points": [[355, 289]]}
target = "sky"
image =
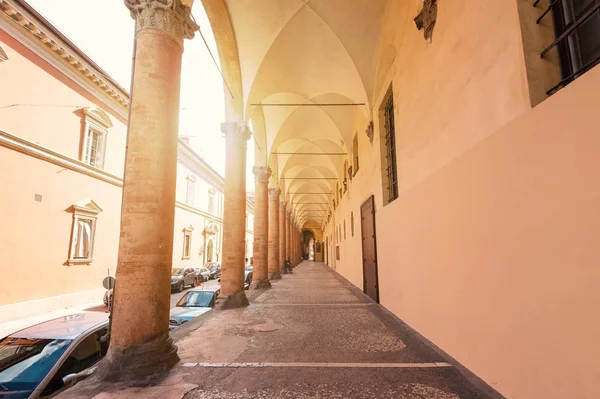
{"points": [[104, 30]]}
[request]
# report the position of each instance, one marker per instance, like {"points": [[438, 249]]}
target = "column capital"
{"points": [[274, 194], [236, 130], [261, 173], [282, 205], [169, 16]]}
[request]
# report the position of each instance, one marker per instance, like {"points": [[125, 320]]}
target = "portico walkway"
{"points": [[313, 335]]}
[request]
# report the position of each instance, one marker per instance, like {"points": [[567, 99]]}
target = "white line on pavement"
{"points": [[328, 365]]}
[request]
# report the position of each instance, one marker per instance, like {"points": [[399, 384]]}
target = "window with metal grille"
{"points": [[577, 31], [390, 149]]}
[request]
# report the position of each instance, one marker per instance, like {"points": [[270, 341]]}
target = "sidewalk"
{"points": [[313, 335], [10, 327]]}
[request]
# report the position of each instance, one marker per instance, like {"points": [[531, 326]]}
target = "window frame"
{"points": [[96, 121], [86, 210], [187, 245], [190, 195], [211, 201], [355, 155], [388, 148]]}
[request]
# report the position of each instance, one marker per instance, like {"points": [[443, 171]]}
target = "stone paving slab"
{"points": [[318, 339], [330, 383]]}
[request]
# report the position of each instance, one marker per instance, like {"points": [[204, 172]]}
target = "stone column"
{"points": [[273, 262], [288, 237], [140, 344], [260, 275], [234, 217], [282, 238]]}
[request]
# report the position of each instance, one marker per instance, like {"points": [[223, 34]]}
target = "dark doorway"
{"points": [[369, 249]]}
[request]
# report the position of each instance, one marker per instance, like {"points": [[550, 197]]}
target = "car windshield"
{"points": [[25, 362], [214, 267], [196, 299], [177, 272]]}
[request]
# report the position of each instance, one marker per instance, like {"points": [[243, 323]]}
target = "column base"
{"points": [[154, 357], [275, 276], [260, 284], [237, 300]]}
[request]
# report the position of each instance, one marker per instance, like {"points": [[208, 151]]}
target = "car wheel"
{"points": [[180, 287], [194, 282]]}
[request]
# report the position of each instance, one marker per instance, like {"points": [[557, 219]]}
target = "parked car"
{"points": [[47, 358], [247, 278], [203, 273], [214, 268], [194, 303], [108, 298], [180, 277]]}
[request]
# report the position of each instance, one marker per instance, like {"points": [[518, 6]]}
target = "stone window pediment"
{"points": [[83, 233]]}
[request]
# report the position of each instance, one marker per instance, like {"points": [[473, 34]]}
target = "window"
{"points": [[355, 155], [389, 148], [187, 242], [211, 201], [96, 125], [577, 30], [83, 232], [190, 190]]}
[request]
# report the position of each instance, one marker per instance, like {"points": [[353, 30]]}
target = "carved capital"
{"points": [[282, 206], [170, 16], [261, 173], [274, 194], [235, 131]]}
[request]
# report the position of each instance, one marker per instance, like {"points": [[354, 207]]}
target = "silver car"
{"points": [[47, 358], [180, 277]]}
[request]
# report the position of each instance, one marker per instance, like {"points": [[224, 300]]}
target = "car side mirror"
{"points": [[69, 380]]}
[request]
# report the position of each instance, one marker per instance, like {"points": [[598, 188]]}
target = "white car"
{"points": [[47, 358]]}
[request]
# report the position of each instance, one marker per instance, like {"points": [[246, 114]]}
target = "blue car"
{"points": [[47, 358], [193, 304]]}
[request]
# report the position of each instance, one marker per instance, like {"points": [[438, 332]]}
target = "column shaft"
{"points": [[260, 276], [140, 344], [273, 262], [282, 238], [288, 238], [234, 217]]}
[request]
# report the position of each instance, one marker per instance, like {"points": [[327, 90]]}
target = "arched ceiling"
{"points": [[297, 59]]}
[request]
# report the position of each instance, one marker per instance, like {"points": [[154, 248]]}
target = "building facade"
{"points": [[63, 128]]}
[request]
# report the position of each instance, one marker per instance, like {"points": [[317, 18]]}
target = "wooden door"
{"points": [[369, 249]]}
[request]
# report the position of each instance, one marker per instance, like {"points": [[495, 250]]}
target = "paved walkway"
{"points": [[313, 335]]}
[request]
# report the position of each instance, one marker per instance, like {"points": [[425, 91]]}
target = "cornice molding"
{"points": [[27, 147], [37, 151], [34, 33]]}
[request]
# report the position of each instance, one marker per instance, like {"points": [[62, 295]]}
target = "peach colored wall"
{"points": [[489, 250], [36, 236], [50, 120], [495, 257]]}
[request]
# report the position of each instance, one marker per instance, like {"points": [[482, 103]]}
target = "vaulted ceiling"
{"points": [[297, 59]]}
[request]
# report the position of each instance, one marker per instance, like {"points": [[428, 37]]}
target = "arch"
{"points": [[220, 22]]}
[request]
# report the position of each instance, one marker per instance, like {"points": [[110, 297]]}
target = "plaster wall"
{"points": [[43, 106], [40, 105], [489, 250]]}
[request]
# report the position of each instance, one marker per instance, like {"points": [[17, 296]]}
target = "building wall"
{"points": [[40, 106], [489, 250]]}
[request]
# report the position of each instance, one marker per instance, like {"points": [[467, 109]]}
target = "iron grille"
{"points": [[577, 31], [390, 145]]}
